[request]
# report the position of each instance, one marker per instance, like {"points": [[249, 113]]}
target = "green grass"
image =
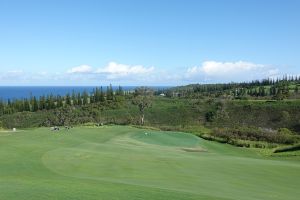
{"points": [[119, 162]]}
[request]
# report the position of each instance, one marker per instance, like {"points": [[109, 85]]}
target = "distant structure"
{"points": [[162, 95], [14, 129], [176, 94], [55, 128]]}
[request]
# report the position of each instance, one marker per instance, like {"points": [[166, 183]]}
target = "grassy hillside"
{"points": [[267, 114], [172, 112], [248, 123], [119, 162]]}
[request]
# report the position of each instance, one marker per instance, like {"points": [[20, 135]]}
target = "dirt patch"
{"points": [[5, 133], [194, 149]]}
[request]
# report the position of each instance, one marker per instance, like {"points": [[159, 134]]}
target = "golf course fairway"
{"points": [[122, 162]]}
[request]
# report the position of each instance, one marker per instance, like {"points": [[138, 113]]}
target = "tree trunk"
{"points": [[142, 119]]}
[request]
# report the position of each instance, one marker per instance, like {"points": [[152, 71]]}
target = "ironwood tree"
{"points": [[142, 97]]}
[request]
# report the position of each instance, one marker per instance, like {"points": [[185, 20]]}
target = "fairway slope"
{"points": [[119, 162]]}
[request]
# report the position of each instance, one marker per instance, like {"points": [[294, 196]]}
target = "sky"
{"points": [[147, 42]]}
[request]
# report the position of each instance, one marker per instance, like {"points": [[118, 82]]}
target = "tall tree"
{"points": [[74, 99], [26, 105], [109, 93], [35, 105], [2, 106], [97, 95], [85, 98], [102, 98], [68, 99], [59, 102], [42, 102], [79, 99], [143, 97], [120, 91]]}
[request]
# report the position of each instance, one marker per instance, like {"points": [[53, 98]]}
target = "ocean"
{"points": [[20, 92]]}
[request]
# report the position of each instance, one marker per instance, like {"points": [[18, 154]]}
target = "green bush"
{"points": [[283, 136], [285, 131], [210, 116]]}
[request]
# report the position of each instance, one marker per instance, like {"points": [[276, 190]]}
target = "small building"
{"points": [[55, 128], [162, 95]]}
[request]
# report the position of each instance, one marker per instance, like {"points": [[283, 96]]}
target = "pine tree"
{"points": [[52, 102], [79, 99], [1, 107], [97, 95], [93, 96], [68, 99], [26, 105], [42, 102], [85, 98], [59, 101], [110, 93], [35, 105], [102, 98], [120, 91], [74, 99]]}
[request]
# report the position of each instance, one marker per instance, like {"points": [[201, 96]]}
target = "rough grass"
{"points": [[119, 162], [288, 148]]}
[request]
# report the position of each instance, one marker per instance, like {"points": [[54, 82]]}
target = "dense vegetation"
{"points": [[278, 89], [34, 104]]}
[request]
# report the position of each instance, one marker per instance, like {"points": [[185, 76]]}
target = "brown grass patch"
{"points": [[194, 149]]}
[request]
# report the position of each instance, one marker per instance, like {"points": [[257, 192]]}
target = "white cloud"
{"points": [[229, 71], [12, 74], [43, 73], [15, 72], [213, 68], [80, 69], [273, 73], [132, 74], [116, 73], [115, 70]]}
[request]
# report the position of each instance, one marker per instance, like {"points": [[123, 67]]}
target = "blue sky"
{"points": [[157, 42]]}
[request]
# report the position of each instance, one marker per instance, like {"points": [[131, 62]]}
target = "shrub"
{"points": [[285, 131], [283, 136], [209, 116]]}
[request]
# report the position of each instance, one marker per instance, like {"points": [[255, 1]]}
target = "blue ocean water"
{"points": [[19, 92]]}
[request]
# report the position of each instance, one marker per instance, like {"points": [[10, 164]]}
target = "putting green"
{"points": [[118, 162]]}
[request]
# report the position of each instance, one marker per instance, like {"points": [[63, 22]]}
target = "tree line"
{"points": [[48, 102], [278, 88]]}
